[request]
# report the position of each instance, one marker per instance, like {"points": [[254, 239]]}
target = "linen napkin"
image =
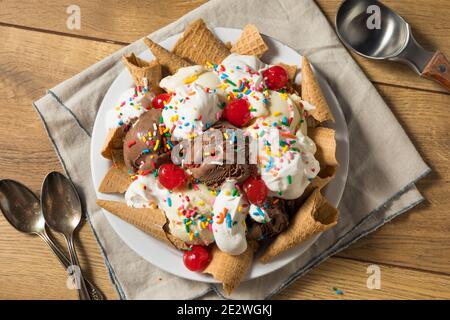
{"points": [[384, 164]]}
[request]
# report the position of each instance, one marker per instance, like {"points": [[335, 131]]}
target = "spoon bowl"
{"points": [[21, 207], [385, 42], [60, 203], [61, 206]]}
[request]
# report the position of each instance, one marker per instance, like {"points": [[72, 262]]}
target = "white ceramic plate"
{"points": [[164, 256]]}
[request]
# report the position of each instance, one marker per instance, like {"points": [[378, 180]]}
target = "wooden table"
{"points": [[38, 51]]}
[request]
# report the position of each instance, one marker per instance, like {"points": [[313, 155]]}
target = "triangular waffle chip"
{"points": [[228, 269], [178, 243], [325, 141], [323, 178], [115, 181], [114, 140], [118, 160], [250, 42], [312, 93], [145, 74], [151, 221], [315, 215], [199, 45], [167, 59]]}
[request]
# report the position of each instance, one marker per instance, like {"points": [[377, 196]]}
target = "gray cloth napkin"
{"points": [[384, 164]]}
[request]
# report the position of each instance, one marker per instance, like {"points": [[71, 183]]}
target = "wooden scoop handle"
{"points": [[438, 69]]}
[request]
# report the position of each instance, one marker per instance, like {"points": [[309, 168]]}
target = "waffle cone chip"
{"points": [[316, 215], [118, 160], [312, 93], [151, 221], [114, 141], [325, 140], [250, 42], [115, 181], [228, 269], [145, 74], [167, 59], [323, 178], [199, 45]]}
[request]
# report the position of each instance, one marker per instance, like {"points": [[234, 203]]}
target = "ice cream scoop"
{"points": [[131, 104], [286, 112], [241, 78], [191, 110], [188, 211], [217, 156], [286, 162], [238, 76], [230, 210], [197, 74], [374, 31], [268, 220], [145, 144]]}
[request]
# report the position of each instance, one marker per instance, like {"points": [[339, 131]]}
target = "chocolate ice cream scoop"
{"points": [[279, 221], [218, 155], [145, 144]]}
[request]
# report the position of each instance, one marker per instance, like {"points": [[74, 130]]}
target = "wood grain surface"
{"points": [[413, 251]]}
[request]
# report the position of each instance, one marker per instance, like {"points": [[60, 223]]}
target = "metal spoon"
{"points": [[22, 210], [61, 206], [391, 38]]}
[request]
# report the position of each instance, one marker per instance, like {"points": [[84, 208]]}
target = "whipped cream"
{"points": [[286, 161], [238, 76], [285, 113], [188, 211], [304, 107], [241, 77], [190, 111], [259, 214], [199, 75], [230, 210], [131, 104]]}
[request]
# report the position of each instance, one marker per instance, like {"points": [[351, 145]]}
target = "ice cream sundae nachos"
{"points": [[219, 154]]}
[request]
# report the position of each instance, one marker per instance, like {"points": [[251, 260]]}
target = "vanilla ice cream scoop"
{"points": [[286, 113], [242, 78], [190, 111], [131, 104], [188, 211], [230, 210], [191, 75], [286, 162]]}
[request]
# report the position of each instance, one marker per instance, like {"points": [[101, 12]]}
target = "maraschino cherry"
{"points": [[196, 259], [237, 112], [159, 101], [256, 190], [171, 176], [276, 77]]}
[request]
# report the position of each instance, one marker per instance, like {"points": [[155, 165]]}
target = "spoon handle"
{"points": [[82, 291], [438, 69], [93, 291]]}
